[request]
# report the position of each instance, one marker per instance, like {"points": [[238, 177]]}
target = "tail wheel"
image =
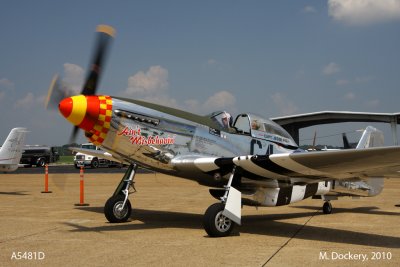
{"points": [[215, 223], [114, 211]]}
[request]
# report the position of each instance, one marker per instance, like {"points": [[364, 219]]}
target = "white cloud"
{"points": [[73, 78], [365, 79], [151, 82], [212, 61], [349, 96], [331, 68], [6, 84], [192, 105], [373, 103], [285, 106], [364, 12], [309, 9], [161, 99], [29, 101], [220, 101], [213, 64], [342, 82], [153, 85]]}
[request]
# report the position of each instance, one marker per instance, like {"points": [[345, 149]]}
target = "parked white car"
{"points": [[84, 160]]}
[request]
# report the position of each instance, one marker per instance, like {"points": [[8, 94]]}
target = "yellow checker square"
{"points": [[102, 117], [108, 113], [103, 106], [106, 125], [98, 127]]}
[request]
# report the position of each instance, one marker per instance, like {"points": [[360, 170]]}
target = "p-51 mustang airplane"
{"points": [[249, 161], [11, 151]]}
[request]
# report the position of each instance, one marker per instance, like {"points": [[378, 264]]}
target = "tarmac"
{"points": [[165, 229]]}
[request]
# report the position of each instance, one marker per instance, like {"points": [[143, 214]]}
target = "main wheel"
{"points": [[216, 224], [327, 207], [113, 211]]}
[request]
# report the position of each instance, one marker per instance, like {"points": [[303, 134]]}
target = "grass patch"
{"points": [[66, 160]]}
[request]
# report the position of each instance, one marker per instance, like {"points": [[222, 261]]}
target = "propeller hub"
{"points": [[91, 113]]}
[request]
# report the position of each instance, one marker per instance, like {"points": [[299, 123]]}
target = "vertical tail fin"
{"points": [[346, 143], [11, 151], [371, 137]]}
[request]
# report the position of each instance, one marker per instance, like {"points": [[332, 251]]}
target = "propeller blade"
{"points": [[58, 90], [105, 34], [74, 134]]}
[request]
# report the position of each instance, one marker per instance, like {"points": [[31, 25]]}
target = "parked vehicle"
{"points": [[85, 160], [38, 155]]}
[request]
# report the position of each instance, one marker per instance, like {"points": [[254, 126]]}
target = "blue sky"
{"points": [[272, 58]]}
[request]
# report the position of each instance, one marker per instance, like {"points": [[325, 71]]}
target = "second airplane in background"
{"points": [[11, 151]]}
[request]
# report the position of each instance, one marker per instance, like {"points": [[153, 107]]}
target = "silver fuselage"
{"points": [[156, 140]]}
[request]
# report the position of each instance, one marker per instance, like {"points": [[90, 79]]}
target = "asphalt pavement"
{"points": [[165, 228]]}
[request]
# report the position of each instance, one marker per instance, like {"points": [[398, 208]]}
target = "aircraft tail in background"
{"points": [[371, 137], [11, 151]]}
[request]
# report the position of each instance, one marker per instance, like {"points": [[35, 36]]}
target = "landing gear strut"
{"points": [[220, 218], [118, 207]]}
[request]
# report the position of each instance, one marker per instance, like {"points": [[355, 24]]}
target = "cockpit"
{"points": [[222, 119], [253, 125]]}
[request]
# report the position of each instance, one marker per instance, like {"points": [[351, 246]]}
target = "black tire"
{"points": [[111, 209], [216, 224], [95, 163], [40, 162], [327, 207], [76, 166]]}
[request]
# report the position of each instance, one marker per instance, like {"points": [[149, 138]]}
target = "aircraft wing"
{"points": [[95, 153], [338, 165]]}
